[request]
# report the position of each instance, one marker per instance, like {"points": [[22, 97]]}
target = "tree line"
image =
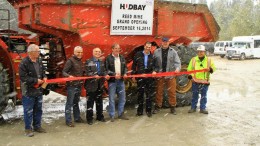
{"points": [[237, 17]]}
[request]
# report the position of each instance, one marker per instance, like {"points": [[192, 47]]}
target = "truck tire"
{"points": [[184, 93], [222, 56], [229, 58], [242, 57], [4, 88]]}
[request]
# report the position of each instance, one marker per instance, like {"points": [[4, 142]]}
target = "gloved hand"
{"points": [[189, 77], [45, 91], [210, 70]]}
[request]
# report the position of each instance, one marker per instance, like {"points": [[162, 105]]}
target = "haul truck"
{"points": [[60, 25]]}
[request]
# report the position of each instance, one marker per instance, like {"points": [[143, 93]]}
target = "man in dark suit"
{"points": [[95, 67], [144, 63]]}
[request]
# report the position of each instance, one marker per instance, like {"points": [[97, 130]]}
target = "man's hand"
{"points": [[107, 77], [97, 76], [125, 76], [71, 76], [40, 81], [117, 76], [210, 70]]}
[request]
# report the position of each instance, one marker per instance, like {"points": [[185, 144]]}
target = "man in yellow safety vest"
{"points": [[200, 80]]}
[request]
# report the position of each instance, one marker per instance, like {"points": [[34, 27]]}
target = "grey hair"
{"points": [[78, 47], [32, 47]]}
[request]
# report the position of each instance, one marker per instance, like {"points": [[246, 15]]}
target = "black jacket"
{"points": [[110, 66], [73, 67], [29, 77], [91, 85], [138, 66]]}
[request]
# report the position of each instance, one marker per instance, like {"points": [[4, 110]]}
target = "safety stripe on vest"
{"points": [[203, 81]]}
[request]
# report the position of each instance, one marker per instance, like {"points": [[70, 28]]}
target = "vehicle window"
{"points": [[217, 44], [230, 44], [257, 44], [239, 44], [221, 44]]}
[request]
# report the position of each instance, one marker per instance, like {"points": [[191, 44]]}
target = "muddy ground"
{"points": [[233, 119]]}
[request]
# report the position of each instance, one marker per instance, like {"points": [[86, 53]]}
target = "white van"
{"points": [[244, 47], [220, 47]]}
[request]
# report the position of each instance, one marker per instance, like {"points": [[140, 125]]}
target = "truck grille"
{"points": [[231, 52]]}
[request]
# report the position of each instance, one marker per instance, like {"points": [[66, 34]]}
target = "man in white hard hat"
{"points": [[200, 80]]}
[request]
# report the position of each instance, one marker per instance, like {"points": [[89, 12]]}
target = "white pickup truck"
{"points": [[244, 47]]}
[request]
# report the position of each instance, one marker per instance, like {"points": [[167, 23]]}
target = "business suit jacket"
{"points": [[91, 85]]}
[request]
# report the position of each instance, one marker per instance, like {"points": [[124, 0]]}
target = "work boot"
{"points": [[29, 133], [102, 120], [156, 109], [173, 111], [40, 130], [192, 110], [149, 114], [203, 111], [123, 117], [90, 122], [139, 114]]}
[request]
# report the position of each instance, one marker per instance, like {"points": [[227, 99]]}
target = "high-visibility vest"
{"points": [[204, 80]]}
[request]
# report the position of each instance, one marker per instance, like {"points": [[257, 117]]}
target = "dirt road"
{"points": [[234, 119]]}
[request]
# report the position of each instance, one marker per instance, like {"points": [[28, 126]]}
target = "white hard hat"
{"points": [[201, 48]]}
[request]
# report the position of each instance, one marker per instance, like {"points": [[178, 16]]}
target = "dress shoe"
{"points": [[123, 117], [102, 120], [149, 114], [90, 122]]}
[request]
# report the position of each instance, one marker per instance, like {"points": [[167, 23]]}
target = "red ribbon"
{"points": [[62, 80]]}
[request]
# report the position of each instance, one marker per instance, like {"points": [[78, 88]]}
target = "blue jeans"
{"points": [[73, 96], [32, 108], [196, 89], [117, 87]]}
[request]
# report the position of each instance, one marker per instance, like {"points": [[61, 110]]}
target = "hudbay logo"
{"points": [[132, 7]]}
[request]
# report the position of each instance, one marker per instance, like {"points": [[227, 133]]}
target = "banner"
{"points": [[132, 17]]}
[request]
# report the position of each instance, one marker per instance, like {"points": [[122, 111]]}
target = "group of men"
{"points": [[113, 69]]}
